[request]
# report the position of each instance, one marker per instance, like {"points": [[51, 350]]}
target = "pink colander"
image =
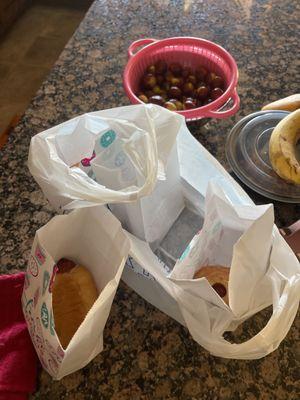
{"points": [[190, 52]]}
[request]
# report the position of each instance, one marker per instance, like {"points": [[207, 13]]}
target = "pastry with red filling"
{"points": [[218, 277]]}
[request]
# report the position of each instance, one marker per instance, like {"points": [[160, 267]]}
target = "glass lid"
{"points": [[247, 151]]}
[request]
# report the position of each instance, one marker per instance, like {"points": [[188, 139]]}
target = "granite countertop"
{"points": [[146, 354]]}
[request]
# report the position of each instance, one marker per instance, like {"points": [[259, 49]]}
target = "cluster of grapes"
{"points": [[179, 88]]}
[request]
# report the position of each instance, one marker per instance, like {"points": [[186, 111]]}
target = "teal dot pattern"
{"points": [[107, 138], [52, 327], [46, 281], [45, 315]]}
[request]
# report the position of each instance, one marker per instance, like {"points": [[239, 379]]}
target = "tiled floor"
{"points": [[30, 48]]}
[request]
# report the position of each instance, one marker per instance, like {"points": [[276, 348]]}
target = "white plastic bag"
{"points": [[207, 320], [263, 271], [92, 237], [270, 276], [114, 157]]}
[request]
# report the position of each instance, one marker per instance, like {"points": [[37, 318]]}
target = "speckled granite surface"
{"points": [[147, 355]]}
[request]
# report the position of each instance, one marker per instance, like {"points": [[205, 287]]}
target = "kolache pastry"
{"points": [[73, 294], [218, 277]]}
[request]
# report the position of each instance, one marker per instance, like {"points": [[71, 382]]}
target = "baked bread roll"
{"points": [[218, 277], [74, 293]]}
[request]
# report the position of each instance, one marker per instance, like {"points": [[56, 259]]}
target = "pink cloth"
{"points": [[18, 360]]}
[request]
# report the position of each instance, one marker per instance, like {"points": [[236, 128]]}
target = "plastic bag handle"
{"points": [[227, 113], [138, 43], [268, 339], [81, 191]]}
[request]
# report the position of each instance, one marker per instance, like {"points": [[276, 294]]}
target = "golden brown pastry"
{"points": [[74, 293], [218, 277]]}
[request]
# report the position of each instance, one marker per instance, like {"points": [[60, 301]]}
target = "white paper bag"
{"points": [[151, 217], [126, 157], [92, 237], [263, 271]]}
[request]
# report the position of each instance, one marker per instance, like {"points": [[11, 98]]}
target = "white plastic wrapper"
{"points": [[118, 156], [235, 233], [263, 271]]}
